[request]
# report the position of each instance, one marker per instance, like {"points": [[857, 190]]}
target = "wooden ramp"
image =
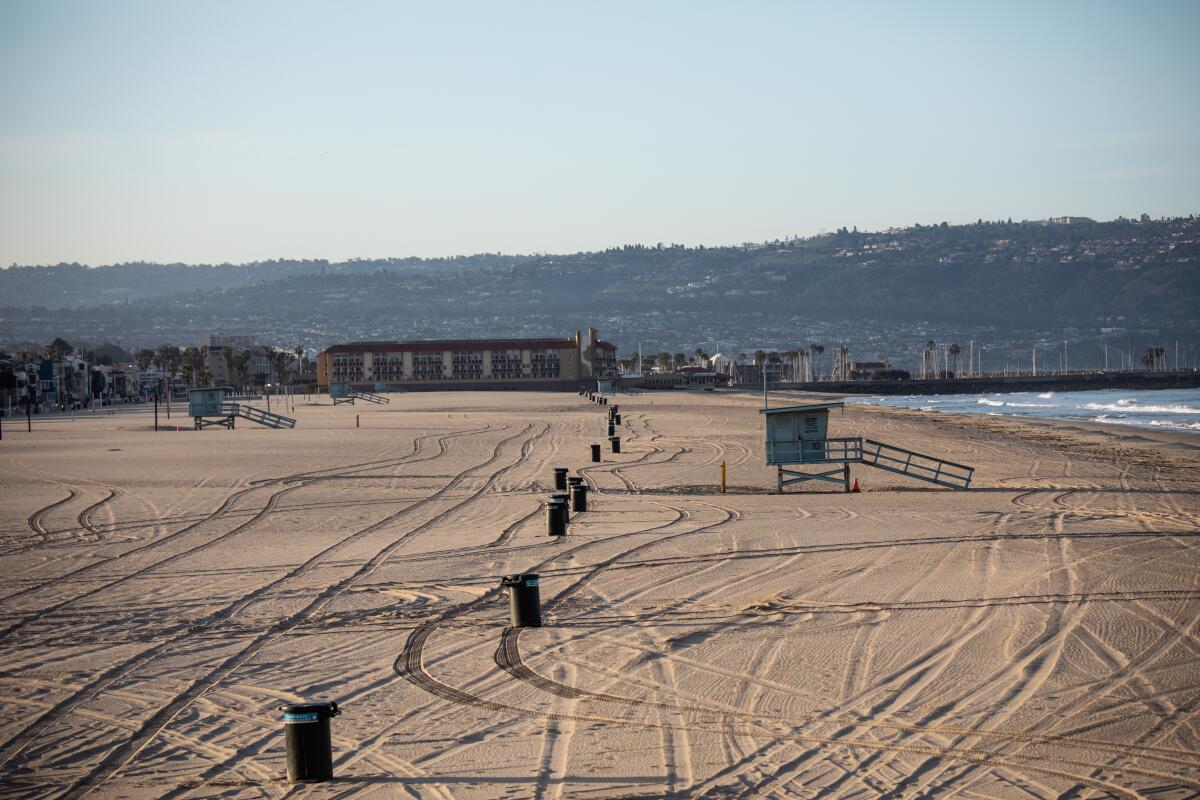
{"points": [[253, 414], [372, 398], [916, 465]]}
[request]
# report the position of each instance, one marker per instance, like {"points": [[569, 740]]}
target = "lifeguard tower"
{"points": [[208, 408], [799, 435], [342, 393]]}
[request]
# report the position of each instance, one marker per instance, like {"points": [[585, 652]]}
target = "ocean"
{"points": [[1164, 409]]}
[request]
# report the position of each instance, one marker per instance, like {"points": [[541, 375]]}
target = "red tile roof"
{"points": [[452, 344]]}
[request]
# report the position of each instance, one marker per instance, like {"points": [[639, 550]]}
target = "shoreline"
{"points": [[1146, 431]]}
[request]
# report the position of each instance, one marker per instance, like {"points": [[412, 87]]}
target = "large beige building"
{"points": [[559, 364]]}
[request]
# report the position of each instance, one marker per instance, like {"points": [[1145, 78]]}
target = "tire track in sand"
{"points": [[152, 726]]}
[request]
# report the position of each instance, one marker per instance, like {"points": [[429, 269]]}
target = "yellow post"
{"points": [[356, 420], [722, 477]]}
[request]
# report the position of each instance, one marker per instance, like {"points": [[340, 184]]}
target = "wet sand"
{"points": [[165, 592]]}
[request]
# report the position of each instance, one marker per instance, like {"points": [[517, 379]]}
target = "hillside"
{"points": [[1004, 277]]}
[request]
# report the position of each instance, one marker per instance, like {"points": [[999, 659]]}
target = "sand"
{"points": [[165, 592]]}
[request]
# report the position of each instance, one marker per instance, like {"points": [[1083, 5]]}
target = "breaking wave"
{"points": [[1163, 409]]}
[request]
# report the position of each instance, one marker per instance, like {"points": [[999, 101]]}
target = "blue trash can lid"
{"points": [[309, 712]]}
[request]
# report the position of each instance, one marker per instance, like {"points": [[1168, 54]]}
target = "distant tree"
{"points": [[760, 357], [239, 363], [956, 354], [191, 361], [167, 356], [144, 357], [280, 362], [680, 360], [664, 360], [59, 348], [227, 361]]}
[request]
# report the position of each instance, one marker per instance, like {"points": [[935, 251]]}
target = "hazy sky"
{"points": [[213, 131]]}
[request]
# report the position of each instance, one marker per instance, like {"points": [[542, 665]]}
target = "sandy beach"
{"points": [[164, 592]]}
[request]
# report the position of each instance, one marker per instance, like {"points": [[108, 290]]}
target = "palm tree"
{"points": [[240, 365], [927, 358], [192, 361], [144, 357], [278, 360], [817, 350], [664, 360], [956, 354], [227, 361], [760, 356], [680, 360]]}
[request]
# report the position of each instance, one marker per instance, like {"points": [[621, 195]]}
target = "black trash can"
{"points": [[579, 498], [524, 600], [561, 497], [617, 418], [612, 428], [560, 477], [306, 734], [572, 482], [595, 453], [556, 519], [616, 409], [615, 441]]}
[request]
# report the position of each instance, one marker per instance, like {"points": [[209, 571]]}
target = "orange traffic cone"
{"points": [[855, 488]]}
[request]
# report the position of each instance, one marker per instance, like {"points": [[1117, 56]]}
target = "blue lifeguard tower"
{"points": [[799, 435], [342, 393], [208, 408]]}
